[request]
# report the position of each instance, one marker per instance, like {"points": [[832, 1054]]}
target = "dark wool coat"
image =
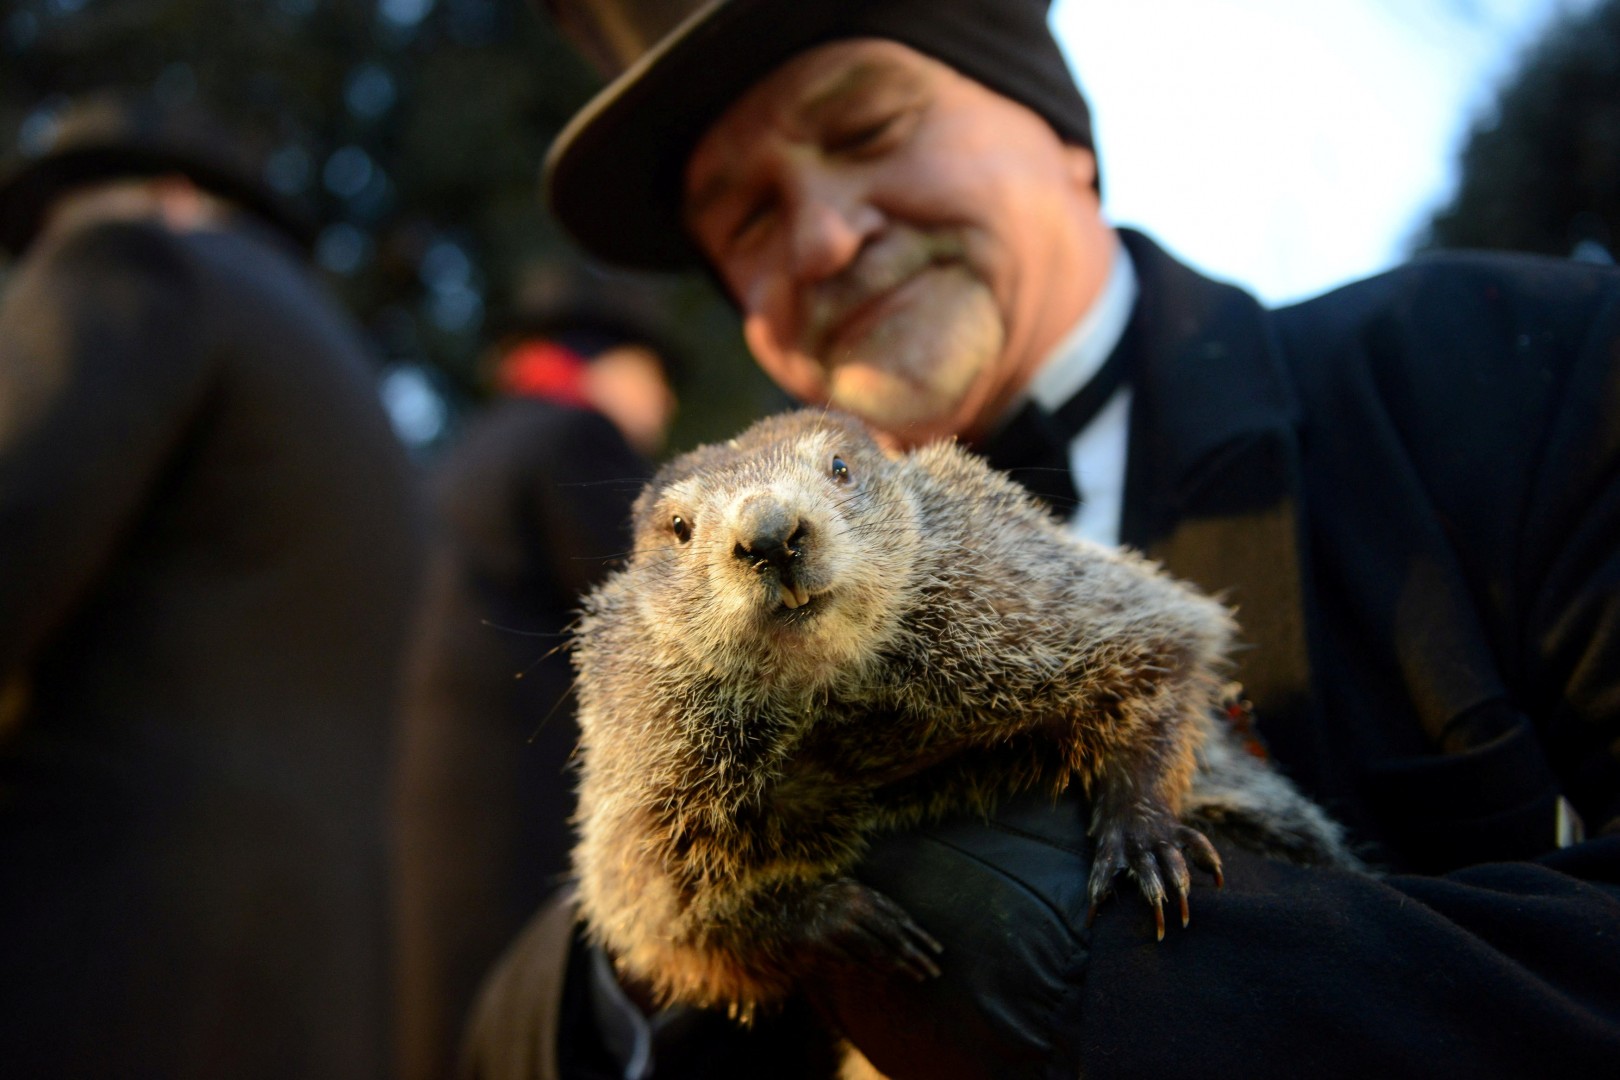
{"points": [[531, 507], [208, 542], [1410, 488]]}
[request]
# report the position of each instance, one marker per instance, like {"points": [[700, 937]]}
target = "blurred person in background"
{"points": [[531, 507], [208, 546], [1406, 487]]}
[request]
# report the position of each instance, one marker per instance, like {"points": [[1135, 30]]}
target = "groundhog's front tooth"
{"points": [[790, 599]]}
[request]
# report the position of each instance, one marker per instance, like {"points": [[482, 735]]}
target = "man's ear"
{"points": [[1082, 167]]}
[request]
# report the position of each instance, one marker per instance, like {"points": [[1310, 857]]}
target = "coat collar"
{"points": [[1213, 484], [1206, 372]]}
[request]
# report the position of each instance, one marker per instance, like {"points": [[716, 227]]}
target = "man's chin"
{"points": [[910, 413], [916, 368]]}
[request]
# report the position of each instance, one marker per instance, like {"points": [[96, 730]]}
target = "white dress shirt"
{"points": [[1097, 453]]}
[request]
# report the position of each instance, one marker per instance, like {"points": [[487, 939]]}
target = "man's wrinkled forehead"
{"points": [[862, 65], [796, 98]]}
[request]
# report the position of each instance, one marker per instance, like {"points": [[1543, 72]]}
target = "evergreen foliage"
{"points": [[1541, 171]]}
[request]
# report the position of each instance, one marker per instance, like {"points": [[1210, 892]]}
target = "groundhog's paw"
{"points": [[853, 926], [1154, 850]]}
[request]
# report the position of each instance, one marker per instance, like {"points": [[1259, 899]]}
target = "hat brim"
{"points": [[26, 195], [613, 177]]}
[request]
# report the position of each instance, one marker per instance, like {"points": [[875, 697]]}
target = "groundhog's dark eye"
{"points": [[840, 471], [678, 526]]}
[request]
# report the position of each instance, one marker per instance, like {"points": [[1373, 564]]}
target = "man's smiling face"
{"points": [[902, 241]]}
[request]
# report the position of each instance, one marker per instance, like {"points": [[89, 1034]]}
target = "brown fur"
{"points": [[738, 749]]}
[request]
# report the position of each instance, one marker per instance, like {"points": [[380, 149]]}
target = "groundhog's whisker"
{"points": [[546, 719]]}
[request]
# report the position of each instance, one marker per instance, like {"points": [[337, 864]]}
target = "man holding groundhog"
{"points": [[1408, 489]]}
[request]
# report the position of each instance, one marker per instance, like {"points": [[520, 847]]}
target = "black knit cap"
{"points": [[113, 135], [614, 175]]}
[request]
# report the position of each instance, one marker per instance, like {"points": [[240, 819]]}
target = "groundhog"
{"points": [[813, 641]]}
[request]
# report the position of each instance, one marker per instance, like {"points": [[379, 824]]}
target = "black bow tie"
{"points": [[1033, 445]]}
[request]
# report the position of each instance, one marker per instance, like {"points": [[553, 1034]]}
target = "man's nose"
{"points": [[831, 222]]}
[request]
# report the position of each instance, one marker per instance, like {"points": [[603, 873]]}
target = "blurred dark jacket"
{"points": [[1410, 490], [531, 508], [208, 543]]}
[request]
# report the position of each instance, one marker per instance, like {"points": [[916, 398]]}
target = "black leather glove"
{"points": [[1008, 901]]}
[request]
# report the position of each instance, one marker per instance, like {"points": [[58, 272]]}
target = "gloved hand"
{"points": [[1007, 899]]}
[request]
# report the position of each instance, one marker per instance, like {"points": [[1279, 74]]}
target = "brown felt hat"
{"points": [[109, 136], [613, 176]]}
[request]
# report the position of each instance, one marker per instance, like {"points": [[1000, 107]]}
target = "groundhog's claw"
{"points": [[851, 925], [1197, 845], [1153, 853]]}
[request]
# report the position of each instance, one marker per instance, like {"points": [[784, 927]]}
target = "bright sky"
{"points": [[1288, 145]]}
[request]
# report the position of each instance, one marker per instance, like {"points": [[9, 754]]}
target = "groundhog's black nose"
{"points": [[770, 536], [777, 549]]}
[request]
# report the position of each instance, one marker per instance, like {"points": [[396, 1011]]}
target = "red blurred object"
{"points": [[544, 370]]}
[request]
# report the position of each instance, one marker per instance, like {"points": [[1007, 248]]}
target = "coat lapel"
{"points": [[1213, 485]]}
